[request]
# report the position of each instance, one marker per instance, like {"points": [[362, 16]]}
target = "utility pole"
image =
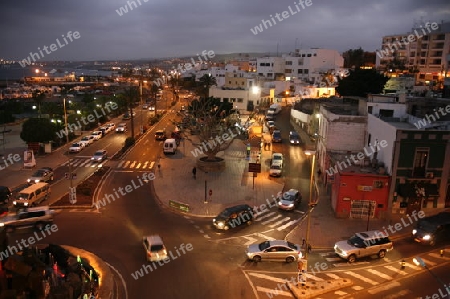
{"points": [[72, 190]]}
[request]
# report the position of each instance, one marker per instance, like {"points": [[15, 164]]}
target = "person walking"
{"points": [[194, 172]]}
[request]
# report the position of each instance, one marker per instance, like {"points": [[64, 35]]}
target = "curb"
{"points": [[72, 207]]}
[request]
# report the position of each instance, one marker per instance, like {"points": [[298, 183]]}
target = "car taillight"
{"points": [[149, 254]]}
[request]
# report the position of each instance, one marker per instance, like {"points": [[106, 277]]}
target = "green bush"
{"points": [[129, 142]]}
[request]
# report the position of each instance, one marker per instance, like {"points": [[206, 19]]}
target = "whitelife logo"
{"points": [[429, 118], [53, 47], [391, 48], [124, 9]]}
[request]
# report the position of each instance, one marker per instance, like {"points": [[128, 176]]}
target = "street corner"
{"points": [[313, 289]]}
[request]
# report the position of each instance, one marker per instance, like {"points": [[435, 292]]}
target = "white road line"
{"points": [[365, 279], [396, 270], [357, 288], [349, 264], [288, 224], [273, 292], [384, 287], [250, 241], [413, 266], [139, 165], [121, 278], [145, 165], [279, 222], [85, 163], [126, 164], [132, 164], [327, 253], [312, 277], [399, 294], [271, 278], [379, 274], [120, 164], [265, 216], [332, 275], [333, 259], [271, 219], [340, 293], [428, 262], [264, 236], [151, 164], [207, 237], [438, 256]]}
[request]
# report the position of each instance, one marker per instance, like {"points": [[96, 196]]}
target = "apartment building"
{"points": [[424, 51]]}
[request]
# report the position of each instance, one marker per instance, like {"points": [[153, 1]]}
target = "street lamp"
{"points": [[72, 194], [419, 262], [311, 204]]}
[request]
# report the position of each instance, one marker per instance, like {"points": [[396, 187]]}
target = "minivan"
{"points": [[432, 229], [170, 146], [32, 195], [234, 216]]}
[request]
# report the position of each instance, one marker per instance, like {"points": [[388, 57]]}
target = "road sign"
{"points": [[254, 167]]}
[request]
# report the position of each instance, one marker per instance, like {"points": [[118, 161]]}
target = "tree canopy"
{"points": [[38, 130], [361, 82]]}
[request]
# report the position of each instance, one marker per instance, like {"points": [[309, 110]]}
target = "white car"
{"points": [[121, 128], [111, 126], [276, 169], [97, 135], [277, 158], [76, 147], [87, 140]]}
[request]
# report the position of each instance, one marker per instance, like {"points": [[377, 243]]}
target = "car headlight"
{"points": [[291, 205], [220, 224], [25, 204], [28, 180], [14, 202], [414, 231], [427, 237], [36, 181], [2, 224]]}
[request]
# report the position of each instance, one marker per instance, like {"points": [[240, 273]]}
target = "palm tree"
{"points": [[205, 82]]}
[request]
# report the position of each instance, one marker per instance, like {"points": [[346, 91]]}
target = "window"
{"points": [[315, 54], [305, 71], [300, 71], [240, 100], [370, 109], [288, 62], [309, 55], [378, 184], [288, 71], [420, 162], [386, 113]]}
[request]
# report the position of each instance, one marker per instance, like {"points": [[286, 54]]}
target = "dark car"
{"points": [[433, 229], [276, 136], [99, 156], [234, 216], [5, 194], [294, 138], [45, 174], [160, 135]]}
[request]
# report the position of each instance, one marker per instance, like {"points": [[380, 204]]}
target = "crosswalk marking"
{"points": [[288, 224], [126, 164], [312, 277], [332, 275], [272, 219], [379, 274], [359, 276], [265, 216], [274, 292], [271, 278], [120, 164], [400, 294], [428, 262], [279, 222], [264, 236], [139, 165], [132, 164], [412, 266], [145, 165], [384, 287], [396, 270]]}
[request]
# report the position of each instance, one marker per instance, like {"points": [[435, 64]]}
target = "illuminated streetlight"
{"points": [[311, 204]]}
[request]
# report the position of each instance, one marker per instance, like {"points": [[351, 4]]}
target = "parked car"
{"points": [[97, 135], [111, 126], [44, 174], [145, 106], [39, 217], [433, 229], [276, 136], [276, 250], [289, 200], [76, 147], [276, 169], [234, 216], [160, 135], [155, 250], [99, 156], [277, 158], [294, 138], [87, 140], [364, 244], [121, 128], [5, 194]]}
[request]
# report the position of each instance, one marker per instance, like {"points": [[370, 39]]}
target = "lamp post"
{"points": [[311, 204], [419, 262], [72, 191]]}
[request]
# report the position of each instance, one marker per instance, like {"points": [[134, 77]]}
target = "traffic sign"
{"points": [[254, 167]]}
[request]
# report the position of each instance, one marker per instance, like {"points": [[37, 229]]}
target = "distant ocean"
{"points": [[16, 72]]}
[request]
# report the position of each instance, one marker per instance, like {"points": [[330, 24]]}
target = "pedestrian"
{"points": [[194, 172]]}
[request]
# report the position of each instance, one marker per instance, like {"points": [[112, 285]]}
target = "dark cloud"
{"points": [[182, 28]]}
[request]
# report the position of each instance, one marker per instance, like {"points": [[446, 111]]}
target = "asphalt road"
{"points": [[216, 267]]}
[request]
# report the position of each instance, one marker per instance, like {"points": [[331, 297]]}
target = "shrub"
{"points": [[129, 142]]}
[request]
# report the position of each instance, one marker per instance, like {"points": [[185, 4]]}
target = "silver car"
{"points": [[289, 200], [44, 175], [154, 248], [276, 250]]}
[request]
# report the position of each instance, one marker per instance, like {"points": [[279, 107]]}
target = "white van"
{"points": [[170, 146], [32, 195]]}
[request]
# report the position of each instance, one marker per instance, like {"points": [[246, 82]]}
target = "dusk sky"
{"points": [[180, 28]]}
